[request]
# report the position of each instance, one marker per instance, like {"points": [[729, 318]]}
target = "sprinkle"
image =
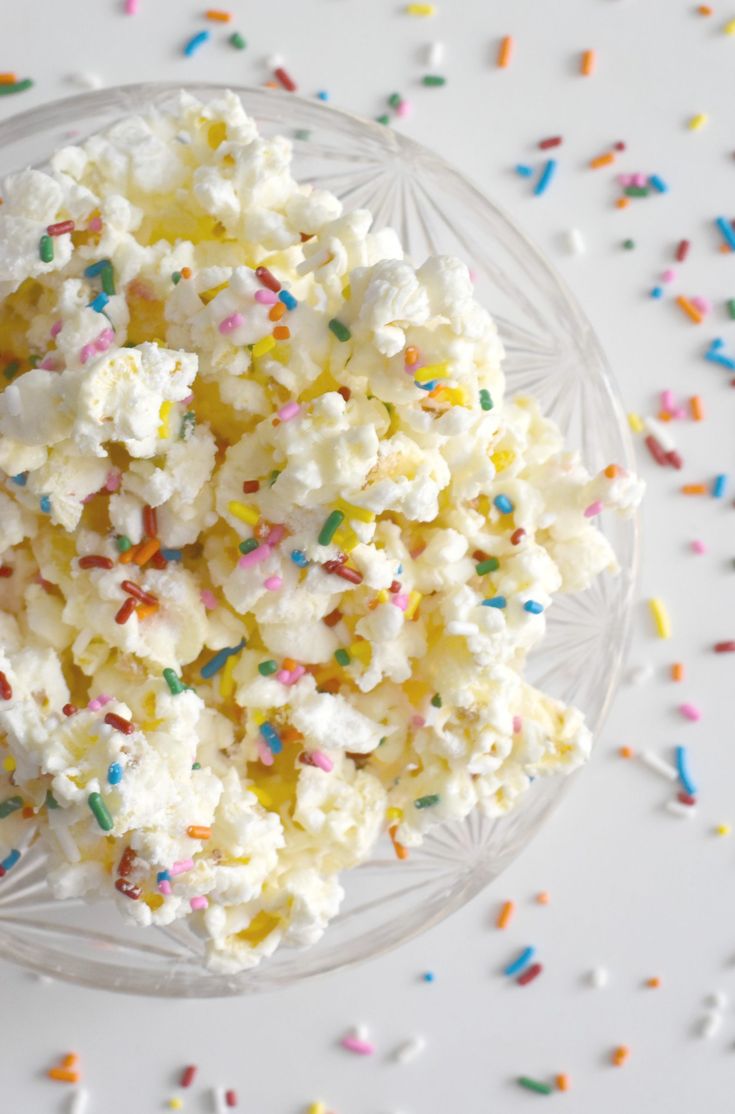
{"points": [[529, 974], [635, 423], [340, 331], [137, 592], [199, 831], [273, 583], [562, 1082], [208, 599], [94, 561], [271, 738], [520, 962], [523, 170], [181, 867], [588, 63], [691, 712], [594, 509], [100, 812], [254, 556], [491, 564], [726, 231], [237, 41], [725, 647], [125, 612], [575, 242], [245, 513], [681, 768], [146, 550], [8, 78], [410, 1050], [534, 1085], [433, 80], [421, 9], [330, 527], [6, 89], [683, 811], [718, 486], [660, 617], [288, 299], [60, 228], [285, 79], [46, 249], [114, 773], [427, 801], [602, 160], [599, 977], [195, 43], [319, 759], [677, 671], [503, 504], [694, 489], [552, 141], [696, 408], [119, 724], [234, 321], [128, 889], [723, 830], [199, 902], [506, 912], [495, 601], [45, 504], [217, 16], [533, 607], [289, 411], [658, 183], [545, 178], [63, 1075], [213, 666], [505, 51], [99, 303], [355, 1044], [263, 346], [698, 121], [620, 1055], [655, 762], [9, 806]]}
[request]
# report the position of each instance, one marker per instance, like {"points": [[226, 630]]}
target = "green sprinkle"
{"points": [[383, 740], [730, 310], [533, 1085], [16, 87], [342, 657], [174, 684], [248, 545], [176, 278], [12, 369], [628, 244], [303, 134], [266, 668], [436, 700], [340, 331], [491, 565], [486, 399], [108, 279], [188, 422], [51, 801], [46, 244], [273, 476], [123, 543], [100, 811], [636, 191], [237, 40], [10, 804], [427, 801], [197, 766], [433, 79], [395, 99], [384, 119], [330, 527]]}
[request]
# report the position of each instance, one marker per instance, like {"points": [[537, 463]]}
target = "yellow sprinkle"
{"points": [[258, 717], [723, 830], [382, 596], [346, 538], [176, 1104], [729, 27], [456, 395], [635, 422], [262, 794], [262, 346], [414, 599], [207, 295], [243, 512], [163, 415], [153, 901], [421, 9], [226, 682], [362, 650], [431, 371], [660, 617], [316, 1108], [502, 459], [394, 813], [349, 510], [698, 121], [9, 764], [347, 292]]}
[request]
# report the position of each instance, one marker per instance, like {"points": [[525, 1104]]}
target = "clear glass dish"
{"points": [[552, 353]]}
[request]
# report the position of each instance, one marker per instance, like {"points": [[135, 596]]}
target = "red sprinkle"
{"points": [[725, 647], [682, 251], [686, 798], [675, 460], [139, 593], [60, 228], [285, 79], [70, 709], [187, 1075], [5, 689], [159, 561], [5, 572], [347, 573], [395, 586], [94, 561], [128, 888], [120, 724], [332, 618], [656, 450], [250, 486], [552, 141], [530, 974], [266, 279], [150, 522], [345, 392], [517, 535], [125, 612], [619, 146], [231, 1098], [126, 862]]}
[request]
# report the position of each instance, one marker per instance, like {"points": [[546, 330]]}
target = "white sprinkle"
{"points": [[709, 1024], [435, 54], [574, 241], [599, 977], [717, 1000], [13, 401], [218, 1100], [360, 1032], [85, 80], [183, 137], [78, 1101], [409, 1050], [313, 263], [457, 627], [639, 674], [661, 433], [684, 812], [275, 61], [660, 765]]}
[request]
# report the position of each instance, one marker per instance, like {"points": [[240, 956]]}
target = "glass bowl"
{"points": [[553, 354]]}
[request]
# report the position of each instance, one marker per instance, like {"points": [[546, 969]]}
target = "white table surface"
{"points": [[632, 887]]}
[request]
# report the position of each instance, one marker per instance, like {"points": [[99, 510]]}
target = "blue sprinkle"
{"points": [[399, 570], [726, 230], [114, 773], [681, 768], [546, 175], [658, 183], [99, 303], [288, 299], [718, 485], [523, 170], [217, 662], [299, 558], [96, 268], [657, 292], [428, 976], [163, 876], [21, 479], [503, 503], [429, 386], [171, 554], [195, 42], [10, 860], [522, 961], [45, 504], [322, 95], [496, 601], [272, 738], [714, 354], [534, 607]]}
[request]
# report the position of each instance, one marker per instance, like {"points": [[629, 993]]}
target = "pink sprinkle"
{"points": [[297, 672], [400, 600], [165, 888], [640, 179], [56, 328], [418, 721], [113, 481], [265, 297], [262, 553], [690, 711], [405, 108], [704, 305], [234, 321], [208, 599], [85, 353], [276, 534], [48, 363], [188, 399], [594, 509], [131, 7], [104, 340], [273, 583], [699, 546], [199, 903], [473, 275], [668, 400], [99, 702], [517, 724], [625, 179], [669, 275], [95, 225], [284, 676], [181, 866], [679, 413], [289, 411], [264, 753], [320, 759], [354, 1044]]}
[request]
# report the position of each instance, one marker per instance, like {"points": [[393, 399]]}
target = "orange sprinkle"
{"points": [[725, 249], [562, 1082], [694, 489], [145, 610], [589, 62], [677, 671], [704, 9], [620, 1055], [289, 664], [602, 160], [612, 471], [198, 831], [507, 910], [64, 1075], [411, 355], [505, 51], [653, 983], [664, 416], [27, 812], [622, 203], [543, 898], [71, 1060], [626, 752], [146, 550], [281, 332], [277, 311], [8, 78], [185, 272], [696, 408], [129, 555], [217, 16], [691, 311], [400, 850]]}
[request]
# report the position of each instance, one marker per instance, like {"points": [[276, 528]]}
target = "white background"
{"points": [[632, 887]]}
